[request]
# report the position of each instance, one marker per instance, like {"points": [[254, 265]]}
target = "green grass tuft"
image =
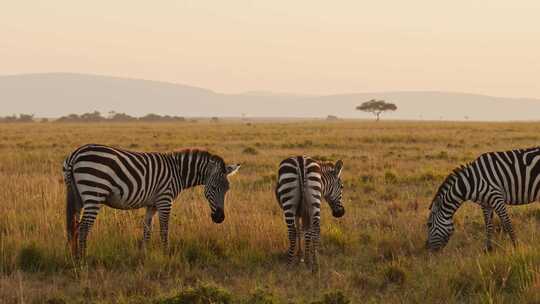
{"points": [[203, 294]]}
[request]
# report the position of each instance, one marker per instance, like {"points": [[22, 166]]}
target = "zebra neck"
{"points": [[324, 183], [191, 168], [452, 199], [464, 186]]}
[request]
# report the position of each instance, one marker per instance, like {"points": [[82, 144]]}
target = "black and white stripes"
{"points": [[98, 175], [302, 182], [493, 180]]}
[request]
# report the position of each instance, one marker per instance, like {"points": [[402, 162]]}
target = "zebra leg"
{"points": [[308, 244], [147, 225], [292, 231], [315, 241], [299, 252], [488, 219], [164, 212], [90, 213], [500, 209]]}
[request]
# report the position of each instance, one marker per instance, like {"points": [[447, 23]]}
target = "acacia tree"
{"points": [[376, 107]]}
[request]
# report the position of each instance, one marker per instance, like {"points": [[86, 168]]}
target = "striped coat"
{"points": [[302, 183], [493, 180], [97, 175]]}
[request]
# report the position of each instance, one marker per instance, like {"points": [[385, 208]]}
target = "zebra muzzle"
{"points": [[218, 216], [338, 212]]}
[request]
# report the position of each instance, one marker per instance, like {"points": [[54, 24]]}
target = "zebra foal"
{"points": [[97, 175], [302, 183], [493, 180]]}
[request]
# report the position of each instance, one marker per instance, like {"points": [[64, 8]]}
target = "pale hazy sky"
{"points": [[478, 46]]}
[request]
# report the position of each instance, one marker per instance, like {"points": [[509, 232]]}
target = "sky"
{"points": [[309, 47]]}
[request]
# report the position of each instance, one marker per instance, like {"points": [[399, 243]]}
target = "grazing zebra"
{"points": [[302, 182], [492, 180], [97, 175]]}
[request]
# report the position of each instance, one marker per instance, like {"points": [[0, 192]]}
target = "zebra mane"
{"points": [[205, 154], [448, 182], [326, 164]]}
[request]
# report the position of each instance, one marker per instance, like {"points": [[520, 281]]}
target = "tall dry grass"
{"points": [[373, 254]]}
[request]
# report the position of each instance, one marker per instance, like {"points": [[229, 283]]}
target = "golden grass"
{"points": [[373, 254]]}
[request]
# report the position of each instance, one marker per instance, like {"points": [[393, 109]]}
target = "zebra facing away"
{"points": [[97, 175], [492, 180], [302, 182]]}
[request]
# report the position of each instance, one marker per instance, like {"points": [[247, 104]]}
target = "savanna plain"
{"points": [[374, 254]]}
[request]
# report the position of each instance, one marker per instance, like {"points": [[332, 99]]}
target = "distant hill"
{"points": [[56, 94]]}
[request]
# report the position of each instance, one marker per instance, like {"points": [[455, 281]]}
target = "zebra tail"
{"points": [[73, 209], [304, 208]]}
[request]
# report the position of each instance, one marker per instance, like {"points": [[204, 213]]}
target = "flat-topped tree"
{"points": [[376, 107]]}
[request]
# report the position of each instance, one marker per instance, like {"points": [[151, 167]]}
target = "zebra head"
{"points": [[439, 228], [333, 188], [216, 186], [440, 224]]}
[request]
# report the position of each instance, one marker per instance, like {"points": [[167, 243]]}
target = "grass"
{"points": [[374, 254]]}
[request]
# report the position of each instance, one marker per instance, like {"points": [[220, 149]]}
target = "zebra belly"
{"points": [[117, 202]]}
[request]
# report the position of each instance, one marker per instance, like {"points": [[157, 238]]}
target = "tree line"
{"points": [[96, 116], [374, 106]]}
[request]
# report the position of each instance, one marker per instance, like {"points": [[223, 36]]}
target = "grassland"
{"points": [[374, 254]]}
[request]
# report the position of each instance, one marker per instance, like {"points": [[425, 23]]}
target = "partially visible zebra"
{"points": [[97, 175], [302, 182], [492, 180]]}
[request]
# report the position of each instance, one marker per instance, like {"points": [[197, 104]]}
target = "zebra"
{"points": [[302, 182], [97, 175], [492, 180]]}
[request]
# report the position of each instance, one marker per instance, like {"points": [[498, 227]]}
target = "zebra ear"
{"points": [[338, 167], [232, 169]]}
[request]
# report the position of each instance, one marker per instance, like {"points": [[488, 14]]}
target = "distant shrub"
{"points": [[69, 118], [336, 297], [20, 118], [118, 117], [332, 118], [204, 294], [250, 151], [122, 117], [215, 119], [85, 117], [158, 118]]}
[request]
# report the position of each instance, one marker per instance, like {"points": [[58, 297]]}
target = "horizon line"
{"points": [[270, 92]]}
